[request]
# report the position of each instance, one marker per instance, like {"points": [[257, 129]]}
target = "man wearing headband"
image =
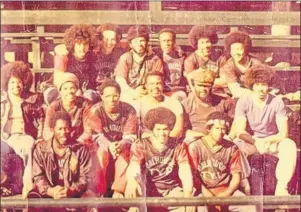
{"points": [[216, 163], [200, 103], [267, 118]]}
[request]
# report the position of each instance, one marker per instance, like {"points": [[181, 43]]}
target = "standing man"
{"points": [[22, 114], [216, 163], [61, 165], [173, 64], [267, 118], [134, 65], [159, 165], [114, 126], [110, 51], [155, 98]]}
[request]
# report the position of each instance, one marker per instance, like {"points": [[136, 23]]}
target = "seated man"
{"points": [[159, 165], [22, 114], [77, 56], [113, 125], [156, 98], [201, 39], [173, 64], [237, 47], [110, 51], [216, 163], [267, 118], [61, 165], [200, 103], [134, 65], [77, 107]]}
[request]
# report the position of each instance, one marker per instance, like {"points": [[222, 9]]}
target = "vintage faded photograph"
{"points": [[157, 106]]}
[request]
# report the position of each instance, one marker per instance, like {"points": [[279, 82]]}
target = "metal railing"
{"points": [[265, 201]]}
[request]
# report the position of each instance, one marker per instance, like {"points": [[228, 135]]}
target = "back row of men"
{"points": [[158, 145]]}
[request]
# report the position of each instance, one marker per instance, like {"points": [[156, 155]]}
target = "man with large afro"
{"points": [[159, 165], [237, 48], [201, 38]]}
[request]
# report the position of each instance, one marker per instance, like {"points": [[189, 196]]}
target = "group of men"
{"points": [[144, 122]]}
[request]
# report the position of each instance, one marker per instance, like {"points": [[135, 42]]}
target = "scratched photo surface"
{"points": [[150, 106]]}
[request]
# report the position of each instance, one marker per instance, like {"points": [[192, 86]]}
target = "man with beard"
{"points": [[155, 98], [76, 106], [201, 102], [134, 65], [173, 64], [237, 47], [22, 114], [159, 165], [200, 38], [216, 163], [61, 165], [109, 53], [267, 117], [113, 125]]}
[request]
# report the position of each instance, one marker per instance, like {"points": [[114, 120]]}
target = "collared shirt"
{"points": [[32, 115], [135, 73], [76, 169]]}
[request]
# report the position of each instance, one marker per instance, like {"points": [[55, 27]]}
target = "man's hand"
{"points": [[140, 91], [57, 192], [224, 194], [115, 149], [117, 195], [132, 189], [261, 145]]}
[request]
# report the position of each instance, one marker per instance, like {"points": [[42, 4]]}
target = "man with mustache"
{"points": [[155, 98], [201, 102], [237, 47], [267, 117], [201, 38], [159, 165], [22, 114], [173, 64], [134, 65], [110, 51], [113, 124], [61, 165]]}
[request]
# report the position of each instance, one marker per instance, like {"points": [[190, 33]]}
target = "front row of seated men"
{"points": [[67, 149]]}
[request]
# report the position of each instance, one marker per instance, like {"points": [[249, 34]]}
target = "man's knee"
{"points": [[103, 156], [287, 145]]}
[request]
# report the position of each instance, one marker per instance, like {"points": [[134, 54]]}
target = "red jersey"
{"points": [[160, 167], [125, 123], [213, 167]]}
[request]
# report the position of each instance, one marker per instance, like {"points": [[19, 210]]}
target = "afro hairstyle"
{"points": [[109, 83], [205, 76], [17, 69], [81, 33], [138, 31], [110, 27], [259, 74], [200, 31], [218, 116], [238, 37], [159, 115], [60, 115]]}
